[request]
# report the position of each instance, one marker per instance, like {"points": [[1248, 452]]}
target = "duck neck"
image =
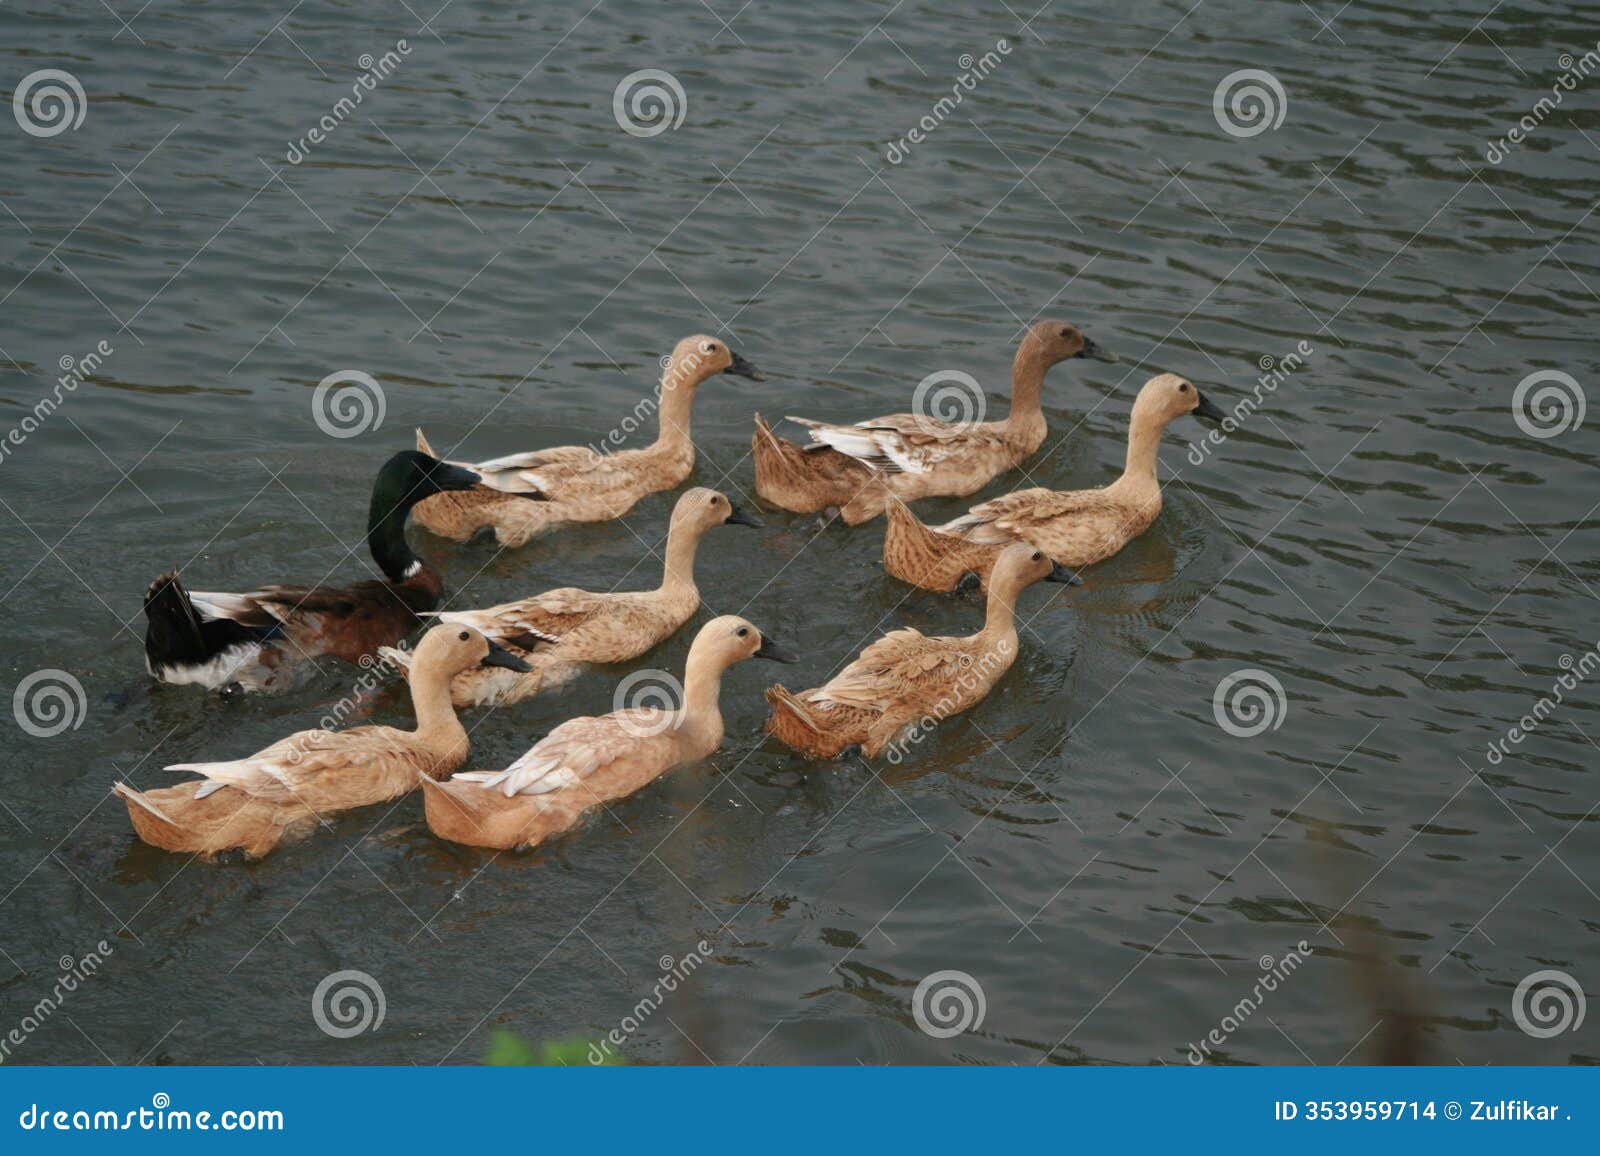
{"points": [[386, 531], [1144, 440], [437, 724], [1026, 418], [1000, 618], [678, 575], [677, 398], [702, 690]]}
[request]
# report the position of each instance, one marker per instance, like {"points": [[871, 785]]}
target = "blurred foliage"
{"points": [[509, 1050]]}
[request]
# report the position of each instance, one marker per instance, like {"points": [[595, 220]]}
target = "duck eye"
{"points": [[709, 347], [1066, 333], [465, 636], [1037, 557], [1184, 388], [744, 632]]}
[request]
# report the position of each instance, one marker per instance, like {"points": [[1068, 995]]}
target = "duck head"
{"points": [[1051, 342], [702, 508], [1167, 396], [729, 639], [412, 475], [696, 358], [451, 648], [1021, 565]]}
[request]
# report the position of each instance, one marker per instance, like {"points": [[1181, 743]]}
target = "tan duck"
{"points": [[584, 484], [906, 679], [561, 631], [920, 455], [285, 789], [585, 762], [1075, 527]]}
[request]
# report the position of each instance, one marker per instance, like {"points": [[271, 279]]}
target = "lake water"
{"points": [[1396, 537]]}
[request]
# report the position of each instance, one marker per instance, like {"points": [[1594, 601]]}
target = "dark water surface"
{"points": [[1107, 862]]}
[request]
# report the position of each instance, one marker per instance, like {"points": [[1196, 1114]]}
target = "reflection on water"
{"points": [[1383, 535]]}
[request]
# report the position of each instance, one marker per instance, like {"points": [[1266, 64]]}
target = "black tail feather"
{"points": [[177, 635]]}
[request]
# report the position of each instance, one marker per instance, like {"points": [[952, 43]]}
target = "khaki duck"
{"points": [[582, 483], [1075, 527], [284, 790], [908, 680], [254, 641], [561, 631], [920, 455], [586, 762]]}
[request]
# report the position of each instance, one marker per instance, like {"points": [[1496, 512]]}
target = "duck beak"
{"points": [[500, 656], [742, 517], [449, 477], [1059, 573], [1206, 408], [770, 649], [742, 368], [1097, 352]]}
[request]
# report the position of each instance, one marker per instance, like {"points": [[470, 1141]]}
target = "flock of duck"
{"points": [[504, 654]]}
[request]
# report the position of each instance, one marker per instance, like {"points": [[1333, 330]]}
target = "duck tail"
{"points": [[918, 554], [783, 473], [791, 722], [179, 819], [397, 658], [180, 641], [422, 444]]}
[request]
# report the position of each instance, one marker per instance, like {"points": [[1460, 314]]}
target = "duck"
{"points": [[1075, 527], [587, 483], [255, 641], [920, 455], [560, 631], [907, 682], [284, 790], [587, 762]]}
